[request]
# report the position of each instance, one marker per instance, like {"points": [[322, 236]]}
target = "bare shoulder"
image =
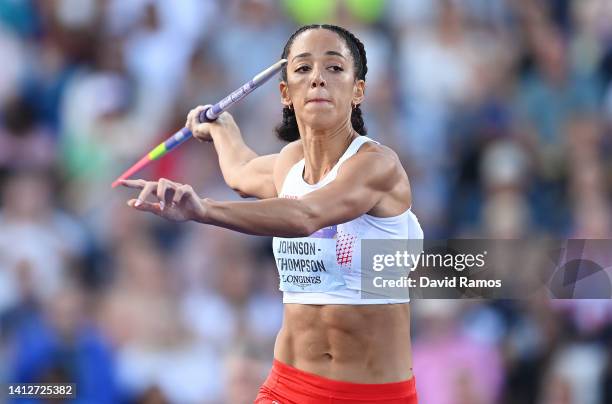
{"points": [[382, 151], [287, 157], [292, 150], [380, 168], [379, 162]]}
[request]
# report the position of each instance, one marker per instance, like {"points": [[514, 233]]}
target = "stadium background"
{"points": [[499, 109]]}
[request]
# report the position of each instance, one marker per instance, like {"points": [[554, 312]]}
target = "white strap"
{"points": [[354, 147], [295, 173]]}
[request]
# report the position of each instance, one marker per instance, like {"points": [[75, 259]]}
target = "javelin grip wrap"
{"points": [[212, 113]]}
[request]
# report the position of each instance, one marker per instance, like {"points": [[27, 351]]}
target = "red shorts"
{"points": [[288, 385]]}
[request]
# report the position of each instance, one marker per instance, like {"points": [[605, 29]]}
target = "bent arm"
{"points": [[358, 187], [243, 170]]}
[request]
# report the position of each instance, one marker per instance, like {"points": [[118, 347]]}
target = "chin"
{"points": [[321, 118], [321, 121]]}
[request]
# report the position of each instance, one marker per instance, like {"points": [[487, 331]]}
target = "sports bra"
{"points": [[325, 267]]}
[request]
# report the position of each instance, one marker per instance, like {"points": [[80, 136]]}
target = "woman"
{"points": [[324, 192]]}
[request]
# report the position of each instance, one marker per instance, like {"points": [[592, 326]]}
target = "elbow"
{"points": [[306, 222], [235, 186], [240, 192], [302, 230], [232, 183]]}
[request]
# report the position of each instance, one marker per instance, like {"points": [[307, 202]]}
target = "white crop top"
{"points": [[325, 267]]}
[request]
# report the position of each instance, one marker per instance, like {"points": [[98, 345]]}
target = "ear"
{"points": [[284, 93], [358, 92]]}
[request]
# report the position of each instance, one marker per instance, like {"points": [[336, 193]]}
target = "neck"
{"points": [[323, 149]]}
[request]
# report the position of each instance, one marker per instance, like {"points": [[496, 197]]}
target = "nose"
{"points": [[317, 79]]}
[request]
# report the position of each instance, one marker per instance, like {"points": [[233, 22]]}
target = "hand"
{"points": [[176, 202], [205, 131]]}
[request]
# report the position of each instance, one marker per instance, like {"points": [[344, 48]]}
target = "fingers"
{"points": [[180, 192], [198, 110], [165, 191], [169, 193], [147, 189], [200, 130], [145, 206], [192, 116], [189, 121], [137, 184]]}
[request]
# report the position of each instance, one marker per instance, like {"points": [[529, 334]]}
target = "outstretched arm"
{"points": [[360, 184], [243, 170]]}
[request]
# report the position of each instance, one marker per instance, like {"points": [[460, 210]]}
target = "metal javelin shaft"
{"points": [[208, 115]]}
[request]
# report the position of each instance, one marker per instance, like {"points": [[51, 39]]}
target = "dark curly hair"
{"points": [[287, 130]]}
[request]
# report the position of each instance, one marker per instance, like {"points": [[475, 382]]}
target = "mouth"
{"points": [[318, 100]]}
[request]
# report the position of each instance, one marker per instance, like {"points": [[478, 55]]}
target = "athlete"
{"points": [[327, 190]]}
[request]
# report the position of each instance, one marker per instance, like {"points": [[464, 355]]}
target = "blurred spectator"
{"points": [[23, 141], [62, 346], [477, 374], [29, 239], [232, 307], [246, 367]]}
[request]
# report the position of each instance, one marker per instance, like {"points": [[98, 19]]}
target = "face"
{"points": [[321, 84]]}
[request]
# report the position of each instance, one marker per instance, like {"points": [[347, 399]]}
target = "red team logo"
{"points": [[344, 248]]}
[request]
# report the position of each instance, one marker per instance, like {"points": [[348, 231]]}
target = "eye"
{"points": [[303, 68], [336, 68]]}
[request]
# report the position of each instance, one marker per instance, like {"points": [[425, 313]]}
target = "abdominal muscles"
{"points": [[362, 344]]}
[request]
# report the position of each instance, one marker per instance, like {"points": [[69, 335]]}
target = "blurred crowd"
{"points": [[500, 110]]}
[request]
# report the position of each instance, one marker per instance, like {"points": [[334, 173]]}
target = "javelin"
{"points": [[208, 115]]}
